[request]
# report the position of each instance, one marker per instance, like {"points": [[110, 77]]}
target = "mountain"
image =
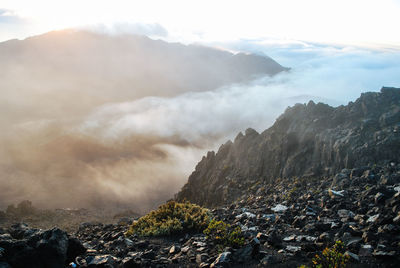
{"points": [[313, 140], [58, 67]]}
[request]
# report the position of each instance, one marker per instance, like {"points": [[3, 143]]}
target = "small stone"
{"points": [[102, 260], [279, 208], [150, 254], [365, 250], [373, 219], [262, 237], [289, 238], [379, 198], [204, 265], [199, 244], [293, 249], [4, 265], [307, 238], [174, 249], [201, 258], [5, 237], [268, 260], [185, 249], [353, 256], [269, 217], [344, 213], [368, 237], [246, 215], [383, 254], [222, 260], [201, 249], [334, 193], [325, 236]]}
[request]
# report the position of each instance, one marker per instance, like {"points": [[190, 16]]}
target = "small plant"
{"points": [[291, 194], [223, 234], [333, 257], [171, 218]]}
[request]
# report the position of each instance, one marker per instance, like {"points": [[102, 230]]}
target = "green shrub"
{"points": [[291, 194], [171, 218], [223, 234], [333, 257]]}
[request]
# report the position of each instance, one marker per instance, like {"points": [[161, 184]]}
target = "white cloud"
{"points": [[333, 21], [333, 75], [153, 30]]}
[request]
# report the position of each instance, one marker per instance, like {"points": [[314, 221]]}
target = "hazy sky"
{"points": [[356, 22]]}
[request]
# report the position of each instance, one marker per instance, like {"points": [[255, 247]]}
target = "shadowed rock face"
{"points": [[307, 140]]}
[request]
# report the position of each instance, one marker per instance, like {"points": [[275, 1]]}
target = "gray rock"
{"points": [[174, 249], [201, 258], [101, 261], [290, 238], [373, 218], [396, 219], [352, 256], [149, 254], [4, 265], [222, 260], [383, 254], [268, 260], [293, 249], [344, 213], [366, 250], [185, 249], [279, 208]]}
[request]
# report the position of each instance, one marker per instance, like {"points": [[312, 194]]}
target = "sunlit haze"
{"points": [[358, 22]]}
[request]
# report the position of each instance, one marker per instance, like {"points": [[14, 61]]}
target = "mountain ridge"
{"points": [[306, 140], [101, 68]]}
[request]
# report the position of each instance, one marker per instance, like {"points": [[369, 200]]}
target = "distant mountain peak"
{"points": [[103, 68]]}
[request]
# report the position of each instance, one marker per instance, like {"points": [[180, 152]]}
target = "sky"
{"points": [[353, 22]]}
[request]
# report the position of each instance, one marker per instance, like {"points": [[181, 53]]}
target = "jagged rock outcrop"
{"points": [[307, 140]]}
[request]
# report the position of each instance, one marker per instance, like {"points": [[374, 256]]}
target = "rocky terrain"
{"points": [[284, 223], [318, 176], [307, 140]]}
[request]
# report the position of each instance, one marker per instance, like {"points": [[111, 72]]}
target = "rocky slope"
{"points": [[307, 140], [285, 224]]}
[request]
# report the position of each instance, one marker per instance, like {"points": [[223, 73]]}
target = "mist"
{"points": [[121, 150]]}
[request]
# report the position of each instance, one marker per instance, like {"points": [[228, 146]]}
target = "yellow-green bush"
{"points": [[224, 234], [333, 257], [171, 218]]}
